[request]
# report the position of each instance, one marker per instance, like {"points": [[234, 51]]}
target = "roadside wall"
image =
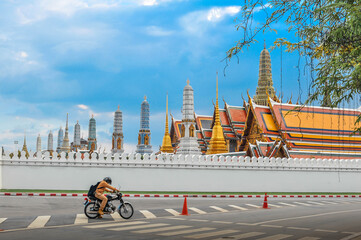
{"points": [[182, 173]]}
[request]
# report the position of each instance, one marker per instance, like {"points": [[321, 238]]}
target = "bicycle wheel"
{"points": [[91, 210], [126, 210]]}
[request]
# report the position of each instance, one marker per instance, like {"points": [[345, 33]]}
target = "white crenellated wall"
{"points": [[205, 173]]}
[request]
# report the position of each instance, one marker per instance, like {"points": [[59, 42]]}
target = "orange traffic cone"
{"points": [[265, 203], [185, 208]]}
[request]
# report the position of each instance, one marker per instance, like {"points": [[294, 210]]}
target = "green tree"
{"points": [[328, 34]]}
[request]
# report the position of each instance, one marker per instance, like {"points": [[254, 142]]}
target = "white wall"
{"points": [[183, 173]]}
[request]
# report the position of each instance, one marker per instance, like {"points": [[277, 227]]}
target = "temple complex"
{"points": [[92, 137], [166, 143], [143, 145], [60, 139], [66, 146], [25, 148], [188, 143], [50, 142], [117, 139], [38, 143]]}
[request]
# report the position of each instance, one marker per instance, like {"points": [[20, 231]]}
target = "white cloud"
{"points": [[216, 14], [198, 22], [158, 31], [82, 106], [149, 2], [259, 8], [23, 54]]}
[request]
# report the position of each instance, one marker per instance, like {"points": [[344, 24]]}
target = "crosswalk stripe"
{"points": [[251, 205], [304, 204], [147, 214], [138, 227], [185, 231], [211, 234], [161, 229], [237, 207], [287, 204], [309, 238], [115, 224], [243, 235], [273, 205], [39, 222], [219, 209], [2, 220], [317, 203], [197, 210], [172, 211], [276, 237], [80, 219], [116, 216]]}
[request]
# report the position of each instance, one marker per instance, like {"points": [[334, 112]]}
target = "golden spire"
{"points": [[145, 97], [167, 143], [217, 143]]}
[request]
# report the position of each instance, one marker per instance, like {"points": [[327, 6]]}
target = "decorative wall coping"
{"points": [[179, 161]]}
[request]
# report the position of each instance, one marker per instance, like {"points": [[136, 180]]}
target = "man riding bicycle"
{"points": [[99, 193]]}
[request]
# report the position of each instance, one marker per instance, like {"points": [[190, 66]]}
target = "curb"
{"points": [[178, 195]]}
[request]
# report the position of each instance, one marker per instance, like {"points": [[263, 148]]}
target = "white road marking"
{"points": [[299, 228], [329, 202], [237, 207], [304, 204], [185, 231], [271, 226], [244, 235], [211, 234], [116, 216], [198, 220], [324, 230], [39, 222], [223, 222], [197, 210], [276, 237], [172, 211], [273, 205], [115, 224], [287, 204], [2, 220], [309, 238], [138, 227], [81, 219], [147, 214], [306, 216], [161, 229], [251, 205], [219, 209], [317, 203]]}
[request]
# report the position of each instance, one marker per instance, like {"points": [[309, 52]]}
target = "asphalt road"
{"points": [[156, 218]]}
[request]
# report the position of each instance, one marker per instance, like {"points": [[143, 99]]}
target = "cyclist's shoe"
{"points": [[100, 216], [100, 212]]}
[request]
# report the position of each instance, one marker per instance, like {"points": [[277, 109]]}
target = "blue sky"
{"points": [[89, 56]]}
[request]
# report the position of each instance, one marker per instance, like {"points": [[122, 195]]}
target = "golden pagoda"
{"points": [[167, 143], [25, 148], [217, 143]]}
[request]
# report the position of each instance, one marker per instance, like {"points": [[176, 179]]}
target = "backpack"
{"points": [[92, 189]]}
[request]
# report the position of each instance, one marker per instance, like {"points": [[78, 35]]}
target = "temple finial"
{"points": [[92, 115], [118, 107], [145, 97], [264, 43], [188, 81]]}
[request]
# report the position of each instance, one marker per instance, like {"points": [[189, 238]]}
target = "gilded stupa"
{"points": [[265, 83], [217, 143], [167, 143]]}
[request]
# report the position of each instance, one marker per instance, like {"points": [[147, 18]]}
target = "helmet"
{"points": [[108, 180]]}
